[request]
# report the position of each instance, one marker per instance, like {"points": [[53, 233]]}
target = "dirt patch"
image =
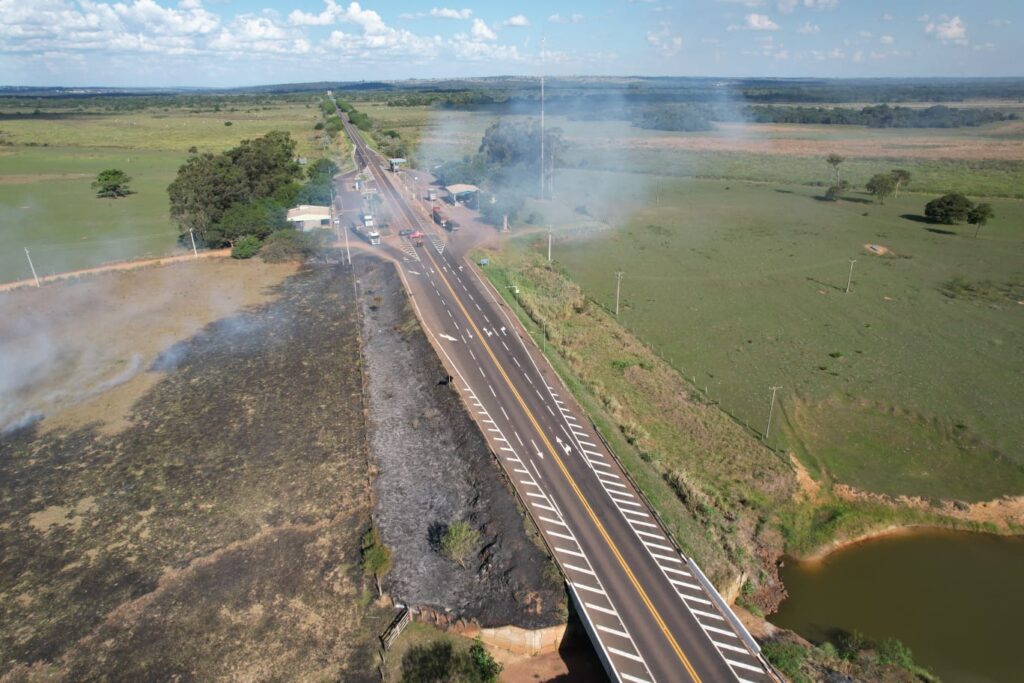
{"points": [[217, 536], [1004, 514], [97, 338], [876, 249], [808, 487], [28, 178], [434, 468]]}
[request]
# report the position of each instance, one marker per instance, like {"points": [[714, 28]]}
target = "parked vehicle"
{"points": [[405, 232]]}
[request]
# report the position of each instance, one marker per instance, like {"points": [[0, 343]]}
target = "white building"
{"points": [[306, 217]]}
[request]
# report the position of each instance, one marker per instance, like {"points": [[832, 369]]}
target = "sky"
{"points": [[224, 43]]}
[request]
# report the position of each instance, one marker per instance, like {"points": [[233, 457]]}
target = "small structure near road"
{"points": [[395, 163], [467, 194], [306, 217]]}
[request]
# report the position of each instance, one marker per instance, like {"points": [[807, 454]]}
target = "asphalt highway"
{"points": [[649, 610]]}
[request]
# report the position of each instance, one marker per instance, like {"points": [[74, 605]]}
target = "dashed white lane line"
{"points": [[492, 391], [481, 372], [519, 439], [627, 655], [506, 415]]}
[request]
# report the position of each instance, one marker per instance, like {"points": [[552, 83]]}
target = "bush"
{"points": [[787, 657], [376, 556], [247, 247], [290, 245], [458, 542], [440, 661]]}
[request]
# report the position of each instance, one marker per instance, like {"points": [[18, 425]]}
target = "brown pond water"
{"points": [[956, 599]]}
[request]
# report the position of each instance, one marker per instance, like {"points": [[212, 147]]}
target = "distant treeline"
{"points": [[881, 116]]}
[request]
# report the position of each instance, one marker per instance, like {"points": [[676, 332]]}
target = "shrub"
{"points": [[247, 247], [376, 556], [458, 542], [290, 245], [949, 209], [787, 657]]}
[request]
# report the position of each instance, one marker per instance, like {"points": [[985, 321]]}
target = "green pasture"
{"points": [[48, 162], [895, 387]]}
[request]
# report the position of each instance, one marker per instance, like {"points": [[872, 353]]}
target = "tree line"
{"points": [[881, 116], [239, 198]]}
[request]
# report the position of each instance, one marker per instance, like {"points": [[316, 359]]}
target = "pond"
{"points": [[955, 598]]}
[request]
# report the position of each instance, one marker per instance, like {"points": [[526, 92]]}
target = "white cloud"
{"points": [[481, 31], [984, 47], [446, 13], [745, 3], [787, 6], [886, 40], [664, 41], [834, 53], [948, 30], [999, 23], [808, 28], [821, 4], [756, 22], [517, 20], [472, 49], [571, 19]]}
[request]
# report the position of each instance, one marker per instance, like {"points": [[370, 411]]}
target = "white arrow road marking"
{"points": [[413, 272], [503, 330], [540, 454], [565, 447], [449, 338]]}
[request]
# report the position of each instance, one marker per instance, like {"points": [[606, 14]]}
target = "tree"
{"points": [[291, 245], [834, 160], [948, 209], [112, 183], [458, 542], [833, 193], [882, 185], [901, 177], [440, 662], [258, 218], [377, 559], [246, 247], [979, 216]]}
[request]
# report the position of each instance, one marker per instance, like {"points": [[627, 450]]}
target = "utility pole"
{"points": [[618, 287], [849, 280], [549, 244], [771, 408], [29, 257], [192, 236], [542, 118]]}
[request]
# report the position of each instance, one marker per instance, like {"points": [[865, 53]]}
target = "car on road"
{"points": [[405, 233], [418, 235]]}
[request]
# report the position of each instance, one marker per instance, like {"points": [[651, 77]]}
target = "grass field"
{"points": [[47, 205], [896, 387]]}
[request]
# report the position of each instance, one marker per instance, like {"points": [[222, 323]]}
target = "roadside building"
{"points": [[396, 163], [464, 194], [306, 217]]}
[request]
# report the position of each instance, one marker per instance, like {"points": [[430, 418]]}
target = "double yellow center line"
{"points": [[572, 483]]}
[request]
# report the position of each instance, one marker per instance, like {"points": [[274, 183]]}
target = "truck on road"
{"points": [[443, 220]]}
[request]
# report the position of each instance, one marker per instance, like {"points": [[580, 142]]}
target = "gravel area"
{"points": [[433, 468]]}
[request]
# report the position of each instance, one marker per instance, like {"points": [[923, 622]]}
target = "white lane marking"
{"points": [[579, 569], [599, 463], [709, 615], [676, 571], [549, 410], [506, 347], [616, 484], [667, 558], [521, 470], [535, 495], [698, 600], [743, 666], [545, 507], [623, 501], [730, 647], [493, 430], [588, 588], [628, 655], [650, 535], [448, 337], [565, 536], [540, 454], [659, 546], [720, 631], [549, 520], [586, 443], [509, 450], [637, 521], [613, 631], [684, 584], [632, 679], [515, 360], [570, 552], [519, 439], [505, 414], [534, 466], [472, 354], [531, 382], [477, 306], [590, 605], [631, 512], [492, 391], [481, 372]]}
